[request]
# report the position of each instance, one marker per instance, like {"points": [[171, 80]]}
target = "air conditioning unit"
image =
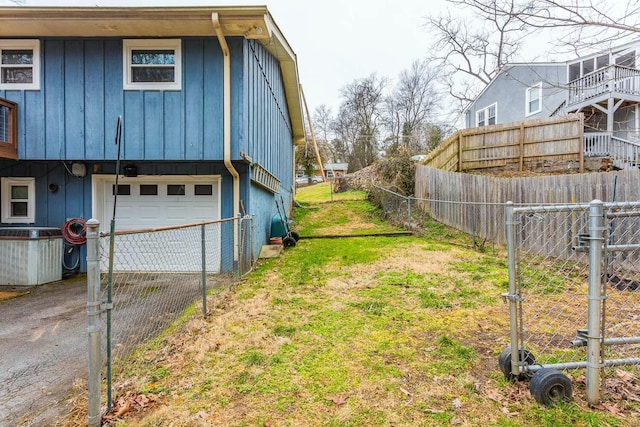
{"points": [[30, 255]]}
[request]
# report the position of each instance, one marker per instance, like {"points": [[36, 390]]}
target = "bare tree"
{"points": [[323, 125], [322, 121], [586, 21], [359, 120], [470, 51], [411, 105]]}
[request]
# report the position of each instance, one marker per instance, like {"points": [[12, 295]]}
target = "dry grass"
{"points": [[370, 331]]}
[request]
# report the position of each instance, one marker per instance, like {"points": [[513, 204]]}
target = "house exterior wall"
{"points": [[266, 119], [73, 115], [508, 92], [73, 118]]}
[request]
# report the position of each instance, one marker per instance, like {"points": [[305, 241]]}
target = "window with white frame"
{"points": [[18, 200], [534, 99], [487, 116], [19, 64], [152, 64]]}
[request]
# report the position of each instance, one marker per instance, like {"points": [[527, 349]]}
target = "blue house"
{"points": [[210, 104]]}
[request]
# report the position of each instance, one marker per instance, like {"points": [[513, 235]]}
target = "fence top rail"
{"points": [[167, 228], [541, 208]]}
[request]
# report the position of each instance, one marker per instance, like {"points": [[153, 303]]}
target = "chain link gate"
{"points": [[574, 294]]}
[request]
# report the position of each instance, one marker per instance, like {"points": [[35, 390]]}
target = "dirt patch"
{"points": [[8, 292]]}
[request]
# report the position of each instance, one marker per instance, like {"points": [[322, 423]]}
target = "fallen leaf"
{"points": [[405, 391], [123, 409], [494, 395], [612, 408], [457, 403], [142, 400], [508, 413], [625, 376], [338, 400]]}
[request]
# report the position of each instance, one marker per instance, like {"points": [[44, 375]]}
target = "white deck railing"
{"points": [[613, 78], [597, 144], [601, 144]]}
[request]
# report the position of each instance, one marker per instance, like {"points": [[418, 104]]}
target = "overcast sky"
{"points": [[336, 41]]}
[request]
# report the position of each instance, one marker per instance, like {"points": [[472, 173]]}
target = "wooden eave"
{"points": [[250, 22]]}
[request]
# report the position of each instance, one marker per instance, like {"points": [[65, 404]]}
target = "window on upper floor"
{"points": [[487, 116], [19, 64], [534, 99], [626, 60], [154, 64], [585, 66], [18, 202]]}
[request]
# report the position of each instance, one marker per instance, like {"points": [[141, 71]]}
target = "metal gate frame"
{"points": [[521, 363]]}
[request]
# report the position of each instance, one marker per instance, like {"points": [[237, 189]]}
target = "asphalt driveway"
{"points": [[43, 351]]}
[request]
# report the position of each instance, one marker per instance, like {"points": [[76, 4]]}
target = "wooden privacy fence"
{"points": [[475, 203], [516, 146]]}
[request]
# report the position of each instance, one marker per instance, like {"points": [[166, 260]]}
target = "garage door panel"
{"points": [[171, 250]]}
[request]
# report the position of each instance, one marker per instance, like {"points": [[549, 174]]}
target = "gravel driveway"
{"points": [[43, 350]]}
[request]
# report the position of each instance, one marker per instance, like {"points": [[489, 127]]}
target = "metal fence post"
{"points": [[240, 246], [594, 339], [512, 296], [204, 271], [409, 212], [94, 326]]}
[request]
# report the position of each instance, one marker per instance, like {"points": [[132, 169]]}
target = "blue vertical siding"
{"points": [[153, 125], [213, 101], [52, 85], [173, 128], [74, 106], [133, 141], [32, 118], [73, 115], [269, 138], [114, 101], [193, 82], [270, 141], [94, 99]]}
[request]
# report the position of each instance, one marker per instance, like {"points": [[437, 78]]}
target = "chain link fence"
{"points": [[482, 222], [149, 278], [574, 284], [574, 295]]}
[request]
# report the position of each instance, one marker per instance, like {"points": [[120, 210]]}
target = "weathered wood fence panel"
{"points": [[475, 203], [512, 145]]}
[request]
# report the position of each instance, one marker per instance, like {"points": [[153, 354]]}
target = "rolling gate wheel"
{"points": [[548, 386]]}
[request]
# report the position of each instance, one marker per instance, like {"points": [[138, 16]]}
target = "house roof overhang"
{"points": [[250, 22]]}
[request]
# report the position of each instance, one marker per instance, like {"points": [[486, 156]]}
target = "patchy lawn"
{"points": [[357, 331]]}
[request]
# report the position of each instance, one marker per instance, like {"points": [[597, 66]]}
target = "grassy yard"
{"points": [[354, 331]]}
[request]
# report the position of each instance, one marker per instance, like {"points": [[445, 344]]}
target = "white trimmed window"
{"points": [[152, 64], [487, 116], [534, 99], [18, 200], [19, 64]]}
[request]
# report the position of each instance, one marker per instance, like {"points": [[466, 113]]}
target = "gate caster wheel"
{"points": [[288, 242], [549, 386], [504, 360]]}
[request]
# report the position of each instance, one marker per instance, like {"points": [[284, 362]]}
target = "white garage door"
{"points": [[150, 202]]}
